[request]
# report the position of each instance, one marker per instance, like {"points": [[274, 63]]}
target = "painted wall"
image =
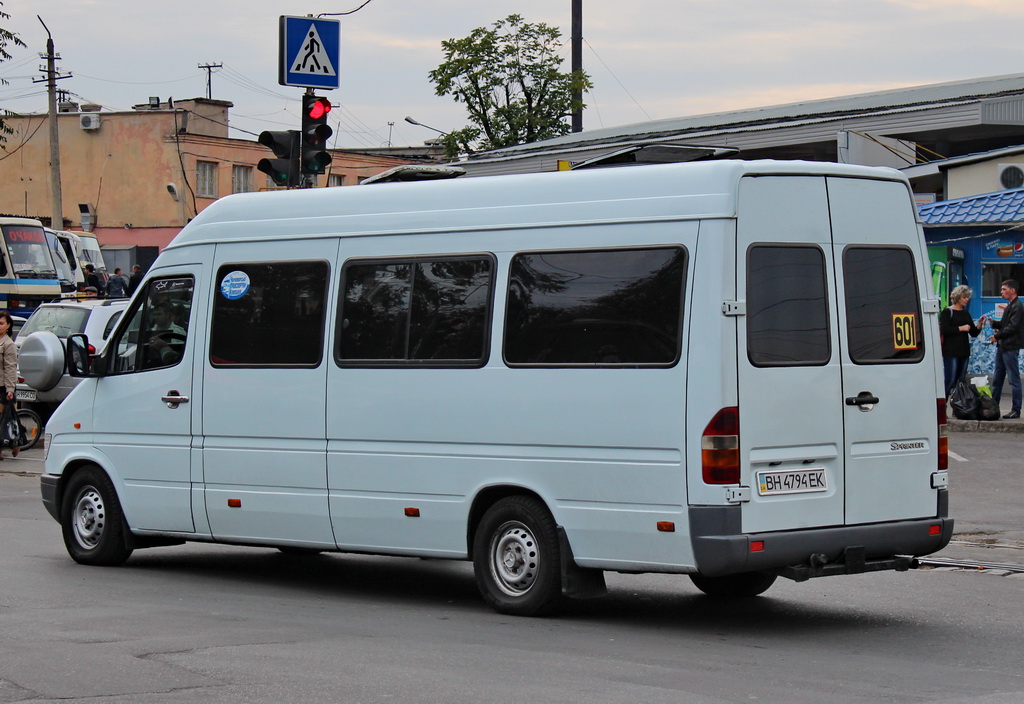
{"points": [[123, 168], [974, 179]]}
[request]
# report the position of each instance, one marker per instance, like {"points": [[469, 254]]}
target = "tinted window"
{"points": [[269, 314], [883, 306], [787, 309], [415, 312], [604, 308]]}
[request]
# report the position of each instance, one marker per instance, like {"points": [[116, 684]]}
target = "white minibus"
{"points": [[727, 370]]}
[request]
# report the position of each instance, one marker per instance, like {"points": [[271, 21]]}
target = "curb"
{"points": [[985, 426]]}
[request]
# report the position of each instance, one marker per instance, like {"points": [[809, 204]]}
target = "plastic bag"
{"points": [[965, 401], [12, 432], [988, 409]]}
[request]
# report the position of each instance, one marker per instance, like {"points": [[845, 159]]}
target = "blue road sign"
{"points": [[310, 52]]}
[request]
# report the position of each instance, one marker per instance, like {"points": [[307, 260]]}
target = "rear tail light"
{"points": [[940, 409], [720, 448]]}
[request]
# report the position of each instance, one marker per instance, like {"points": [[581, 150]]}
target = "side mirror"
{"points": [[78, 357]]}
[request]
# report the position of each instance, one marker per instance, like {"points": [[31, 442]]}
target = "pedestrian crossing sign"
{"points": [[310, 52]]}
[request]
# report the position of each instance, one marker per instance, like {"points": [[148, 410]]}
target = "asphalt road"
{"points": [[206, 623]]}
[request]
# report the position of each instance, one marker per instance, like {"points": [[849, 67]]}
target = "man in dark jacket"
{"points": [[93, 279], [135, 279], [1009, 336]]}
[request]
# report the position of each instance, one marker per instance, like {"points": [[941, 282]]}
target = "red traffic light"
{"points": [[318, 108]]}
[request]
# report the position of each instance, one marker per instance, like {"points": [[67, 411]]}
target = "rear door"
{"points": [[890, 450], [831, 275], [790, 377]]}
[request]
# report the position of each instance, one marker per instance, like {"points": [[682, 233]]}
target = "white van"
{"points": [[728, 370]]}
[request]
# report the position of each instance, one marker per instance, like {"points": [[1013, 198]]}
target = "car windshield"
{"points": [[60, 320]]}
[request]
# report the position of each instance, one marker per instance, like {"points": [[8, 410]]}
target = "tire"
{"points": [[745, 584], [33, 425], [517, 558], [91, 519]]}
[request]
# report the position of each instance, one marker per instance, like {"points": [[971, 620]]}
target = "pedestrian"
{"points": [[117, 287], [1009, 336], [92, 279], [135, 279], [8, 367], [955, 324]]}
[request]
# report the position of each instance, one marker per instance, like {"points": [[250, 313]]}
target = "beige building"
{"points": [[136, 178]]}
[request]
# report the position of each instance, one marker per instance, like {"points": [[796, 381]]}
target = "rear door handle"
{"points": [[173, 398], [864, 398]]}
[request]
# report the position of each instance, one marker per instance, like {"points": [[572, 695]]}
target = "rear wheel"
{"points": [[91, 519], [516, 558], [33, 425], [734, 585]]}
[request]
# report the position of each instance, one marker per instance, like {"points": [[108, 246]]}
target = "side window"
{"points": [[111, 324], [415, 312], [599, 308], [787, 308], [883, 306], [157, 329], [269, 314]]}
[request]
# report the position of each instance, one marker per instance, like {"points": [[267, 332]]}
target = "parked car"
{"points": [[95, 317], [19, 323]]}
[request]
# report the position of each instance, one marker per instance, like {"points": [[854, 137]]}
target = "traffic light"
{"points": [[315, 133], [284, 171]]}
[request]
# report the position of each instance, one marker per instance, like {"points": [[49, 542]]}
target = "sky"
{"points": [[648, 59]]}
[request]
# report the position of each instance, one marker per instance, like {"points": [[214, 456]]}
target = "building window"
{"points": [[241, 179], [206, 179], [336, 180]]}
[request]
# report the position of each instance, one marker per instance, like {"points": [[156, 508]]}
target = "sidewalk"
{"points": [[1002, 425]]}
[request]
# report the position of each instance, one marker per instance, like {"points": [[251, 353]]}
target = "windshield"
{"points": [[30, 257], [91, 254], [60, 258], [59, 320]]}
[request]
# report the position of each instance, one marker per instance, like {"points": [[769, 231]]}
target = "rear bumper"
{"points": [[720, 548]]}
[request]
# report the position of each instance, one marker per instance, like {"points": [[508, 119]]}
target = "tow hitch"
{"points": [[851, 562]]}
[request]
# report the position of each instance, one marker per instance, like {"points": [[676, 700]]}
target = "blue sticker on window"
{"points": [[234, 285]]}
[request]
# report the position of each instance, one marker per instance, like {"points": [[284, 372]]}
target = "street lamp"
{"points": [[411, 121]]}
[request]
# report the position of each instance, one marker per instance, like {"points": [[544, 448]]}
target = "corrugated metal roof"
{"points": [[987, 208], [900, 98]]}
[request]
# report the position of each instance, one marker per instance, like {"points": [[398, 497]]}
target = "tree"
{"points": [[6, 37], [510, 79]]}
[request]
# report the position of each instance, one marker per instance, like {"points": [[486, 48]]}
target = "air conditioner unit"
{"points": [[89, 121], [1011, 175]]}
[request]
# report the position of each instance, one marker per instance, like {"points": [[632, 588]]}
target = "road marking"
{"points": [[957, 457]]}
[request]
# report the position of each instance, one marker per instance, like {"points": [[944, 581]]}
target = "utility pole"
{"points": [[56, 204], [577, 61], [209, 78]]}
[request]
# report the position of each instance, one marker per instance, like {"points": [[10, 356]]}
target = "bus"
{"points": [[28, 275]]}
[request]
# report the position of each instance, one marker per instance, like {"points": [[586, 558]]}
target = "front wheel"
{"points": [[91, 519], [516, 557], [734, 585]]}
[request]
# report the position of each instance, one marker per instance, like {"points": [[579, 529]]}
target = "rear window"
{"points": [[883, 306], [787, 307], [60, 321]]}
